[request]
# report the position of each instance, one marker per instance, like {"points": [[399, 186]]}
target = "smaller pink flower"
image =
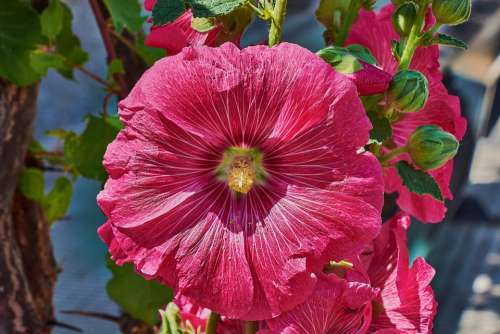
{"points": [[178, 34], [375, 31], [398, 298]]}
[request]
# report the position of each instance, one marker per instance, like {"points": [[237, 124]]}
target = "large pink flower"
{"points": [[238, 175], [376, 32], [176, 35], [398, 300]]}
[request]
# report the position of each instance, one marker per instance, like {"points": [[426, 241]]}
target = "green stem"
{"points": [[392, 154], [250, 327], [352, 15], [277, 22], [414, 37], [213, 320]]}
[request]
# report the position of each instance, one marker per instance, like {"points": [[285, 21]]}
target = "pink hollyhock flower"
{"points": [[376, 32], [399, 300], [176, 35], [238, 174]]}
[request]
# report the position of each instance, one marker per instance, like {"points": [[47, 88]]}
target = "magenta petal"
{"points": [[149, 4], [327, 311], [406, 302], [169, 212], [370, 80]]}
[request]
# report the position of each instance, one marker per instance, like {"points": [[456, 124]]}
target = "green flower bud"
{"points": [[431, 147], [408, 91], [404, 18], [451, 12]]}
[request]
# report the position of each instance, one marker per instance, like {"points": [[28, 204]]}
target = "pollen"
{"points": [[241, 176]]}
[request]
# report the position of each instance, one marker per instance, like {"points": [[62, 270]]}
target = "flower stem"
{"points": [[392, 154], [352, 15], [213, 320], [250, 327], [277, 22], [414, 37]]}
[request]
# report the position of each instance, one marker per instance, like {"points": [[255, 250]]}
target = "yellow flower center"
{"points": [[241, 169], [241, 175]]}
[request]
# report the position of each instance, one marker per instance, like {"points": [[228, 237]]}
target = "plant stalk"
{"points": [[213, 320], [250, 327], [392, 154], [352, 15], [277, 22], [414, 37]]}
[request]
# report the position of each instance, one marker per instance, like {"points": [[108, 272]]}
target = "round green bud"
{"points": [[451, 12], [408, 91], [430, 147], [404, 18]]}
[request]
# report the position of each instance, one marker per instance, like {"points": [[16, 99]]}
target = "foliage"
{"points": [[139, 297], [418, 181], [125, 14], [20, 32]]}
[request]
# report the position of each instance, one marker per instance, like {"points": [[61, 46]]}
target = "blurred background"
{"points": [[465, 250]]}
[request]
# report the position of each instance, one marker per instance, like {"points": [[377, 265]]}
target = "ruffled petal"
{"points": [[327, 311], [406, 302]]}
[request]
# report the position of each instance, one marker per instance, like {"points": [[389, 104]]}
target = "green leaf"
{"points": [[341, 59], [51, 19], [202, 24], [396, 49], [362, 53], [68, 45], [166, 11], [32, 183], [448, 40], [35, 147], [170, 320], [348, 64], [125, 14], [381, 130], [148, 54], [329, 14], [20, 32], [42, 61], [56, 202], [138, 297], [115, 122], [418, 181], [114, 67], [213, 8], [88, 150]]}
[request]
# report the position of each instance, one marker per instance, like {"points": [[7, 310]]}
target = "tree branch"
{"points": [[108, 43]]}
